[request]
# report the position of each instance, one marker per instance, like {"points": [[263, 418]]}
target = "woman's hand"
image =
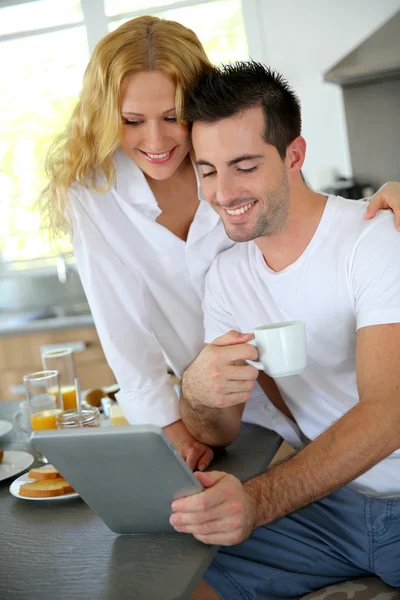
{"points": [[387, 197], [195, 453]]}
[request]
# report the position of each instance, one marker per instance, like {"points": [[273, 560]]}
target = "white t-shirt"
{"points": [[347, 278]]}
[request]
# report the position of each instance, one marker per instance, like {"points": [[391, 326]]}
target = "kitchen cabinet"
{"points": [[20, 354]]}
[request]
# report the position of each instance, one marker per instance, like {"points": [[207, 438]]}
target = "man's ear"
{"points": [[296, 154]]}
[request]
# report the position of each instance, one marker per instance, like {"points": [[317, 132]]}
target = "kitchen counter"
{"points": [[15, 324]]}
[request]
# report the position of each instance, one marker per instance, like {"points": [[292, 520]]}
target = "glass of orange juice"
{"points": [[62, 360], [45, 400]]}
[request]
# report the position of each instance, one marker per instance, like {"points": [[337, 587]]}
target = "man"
{"points": [[332, 512]]}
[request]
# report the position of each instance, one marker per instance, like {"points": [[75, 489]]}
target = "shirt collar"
{"points": [[131, 185]]}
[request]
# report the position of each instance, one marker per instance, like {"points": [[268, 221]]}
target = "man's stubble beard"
{"points": [[274, 217]]}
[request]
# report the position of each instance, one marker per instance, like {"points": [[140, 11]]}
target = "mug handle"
{"points": [[16, 419], [254, 363]]}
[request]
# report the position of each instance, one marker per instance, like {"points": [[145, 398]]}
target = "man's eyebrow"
{"points": [[127, 112], [204, 163], [239, 159], [231, 163]]}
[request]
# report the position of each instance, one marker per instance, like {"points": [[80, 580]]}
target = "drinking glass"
{"points": [[62, 360], [45, 401], [87, 417]]}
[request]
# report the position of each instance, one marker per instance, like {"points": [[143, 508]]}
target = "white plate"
{"points": [[14, 489], [13, 463], [5, 427]]}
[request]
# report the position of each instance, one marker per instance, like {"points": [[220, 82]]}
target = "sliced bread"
{"points": [[46, 488], [46, 472]]}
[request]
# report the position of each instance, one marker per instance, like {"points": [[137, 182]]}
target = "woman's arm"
{"points": [[120, 305]]}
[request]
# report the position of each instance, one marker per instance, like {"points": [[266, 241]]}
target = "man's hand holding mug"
{"points": [[224, 372]]}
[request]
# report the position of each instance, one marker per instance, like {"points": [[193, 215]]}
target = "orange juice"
{"points": [[45, 419], [69, 397]]}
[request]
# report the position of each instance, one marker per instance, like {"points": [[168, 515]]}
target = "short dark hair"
{"points": [[223, 92]]}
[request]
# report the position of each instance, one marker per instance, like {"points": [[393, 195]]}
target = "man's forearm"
{"points": [[365, 435], [216, 386], [212, 426]]}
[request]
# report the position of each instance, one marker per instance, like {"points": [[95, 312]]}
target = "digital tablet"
{"points": [[128, 475]]}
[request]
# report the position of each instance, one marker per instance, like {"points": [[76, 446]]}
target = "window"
{"points": [[218, 24], [44, 49], [43, 70]]}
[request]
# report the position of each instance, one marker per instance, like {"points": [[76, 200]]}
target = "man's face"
{"points": [[243, 178]]}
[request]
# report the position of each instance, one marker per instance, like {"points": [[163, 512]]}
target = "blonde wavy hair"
{"points": [[93, 133]]}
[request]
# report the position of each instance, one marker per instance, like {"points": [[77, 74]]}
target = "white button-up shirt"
{"points": [[144, 286]]}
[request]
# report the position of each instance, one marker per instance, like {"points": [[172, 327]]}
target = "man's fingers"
{"points": [[204, 500], [232, 399], [232, 337], [211, 478], [206, 528], [241, 372], [218, 513], [230, 354], [235, 386], [217, 539]]}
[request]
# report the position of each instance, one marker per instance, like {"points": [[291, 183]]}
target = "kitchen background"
{"points": [[341, 56]]}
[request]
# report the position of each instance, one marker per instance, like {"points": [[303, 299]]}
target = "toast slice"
{"points": [[46, 488], [46, 472], [68, 489]]}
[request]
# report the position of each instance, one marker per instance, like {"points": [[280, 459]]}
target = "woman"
{"points": [[143, 235]]}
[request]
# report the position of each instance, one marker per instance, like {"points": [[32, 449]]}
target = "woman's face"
{"points": [[152, 137]]}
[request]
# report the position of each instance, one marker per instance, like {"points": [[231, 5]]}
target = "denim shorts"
{"points": [[344, 536]]}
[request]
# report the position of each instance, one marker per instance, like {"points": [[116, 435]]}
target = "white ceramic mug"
{"points": [[22, 418], [281, 348]]}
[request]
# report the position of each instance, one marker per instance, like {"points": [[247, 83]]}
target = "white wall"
{"points": [[302, 39]]}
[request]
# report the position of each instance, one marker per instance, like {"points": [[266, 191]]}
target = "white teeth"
{"points": [[239, 211], [158, 156]]}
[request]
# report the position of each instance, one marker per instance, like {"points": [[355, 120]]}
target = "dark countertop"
{"points": [[63, 550]]}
